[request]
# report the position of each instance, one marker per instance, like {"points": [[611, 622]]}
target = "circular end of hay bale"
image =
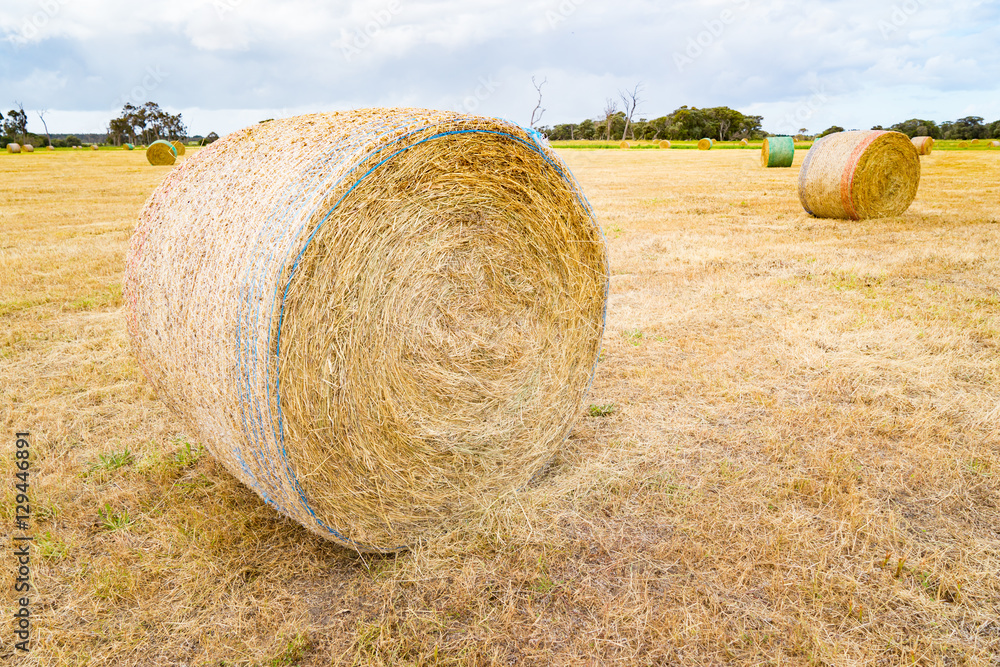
{"points": [[625, 145], [705, 144], [28, 148], [398, 329], [664, 144], [178, 147], [160, 153], [13, 148], [975, 141], [963, 144], [777, 152], [859, 174], [924, 145], [744, 142]]}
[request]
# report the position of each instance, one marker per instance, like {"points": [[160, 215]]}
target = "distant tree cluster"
{"points": [[144, 125], [720, 123], [970, 127]]}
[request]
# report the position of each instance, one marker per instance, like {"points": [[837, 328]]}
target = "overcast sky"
{"points": [[228, 63]]}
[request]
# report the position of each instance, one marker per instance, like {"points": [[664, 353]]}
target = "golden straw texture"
{"points": [[380, 320], [963, 144], [664, 144], [924, 145], [975, 141], [178, 147], [161, 153], [625, 145], [859, 174], [705, 144], [744, 142]]}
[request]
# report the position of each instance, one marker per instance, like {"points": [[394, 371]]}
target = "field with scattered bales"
{"points": [[790, 453]]}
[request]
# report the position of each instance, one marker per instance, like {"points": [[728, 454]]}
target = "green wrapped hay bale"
{"points": [[161, 153], [859, 174], [777, 152]]}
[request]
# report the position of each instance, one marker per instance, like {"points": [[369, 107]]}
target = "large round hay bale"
{"points": [[963, 144], [777, 152], [995, 144], [975, 141], [28, 148], [664, 144], [625, 145], [380, 320], [859, 174], [178, 147], [161, 153], [924, 145], [705, 144], [13, 148]]}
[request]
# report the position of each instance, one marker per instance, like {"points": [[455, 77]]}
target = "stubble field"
{"points": [[790, 454]]}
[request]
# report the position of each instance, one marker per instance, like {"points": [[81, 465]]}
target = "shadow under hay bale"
{"points": [[161, 153], [380, 320], [859, 174], [777, 151], [924, 145]]}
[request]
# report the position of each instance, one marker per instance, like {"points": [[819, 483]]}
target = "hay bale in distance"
{"points": [[128, 147], [161, 153], [705, 144], [664, 144], [744, 142], [178, 147], [778, 151], [995, 144], [975, 141], [924, 145], [95, 147], [380, 320], [51, 147], [28, 148], [963, 144], [625, 145], [13, 148], [859, 174]]}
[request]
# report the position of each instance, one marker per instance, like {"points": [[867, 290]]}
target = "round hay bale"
{"points": [[859, 174], [51, 147], [161, 153], [624, 145], [975, 141], [664, 144], [380, 320], [777, 152], [744, 142], [128, 147], [178, 147], [13, 148], [963, 144], [28, 148], [94, 147], [705, 144], [924, 145], [995, 144]]}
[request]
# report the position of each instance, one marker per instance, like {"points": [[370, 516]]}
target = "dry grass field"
{"points": [[791, 456]]}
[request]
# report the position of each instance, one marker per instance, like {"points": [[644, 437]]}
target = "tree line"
{"points": [[720, 123]]}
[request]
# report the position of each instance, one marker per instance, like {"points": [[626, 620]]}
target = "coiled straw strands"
{"points": [[28, 148], [161, 153], [625, 145], [859, 174], [178, 147], [705, 144], [664, 144], [777, 152], [13, 148], [380, 320], [924, 145]]}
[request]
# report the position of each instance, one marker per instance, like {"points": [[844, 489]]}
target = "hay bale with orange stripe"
{"points": [[923, 145], [859, 174]]}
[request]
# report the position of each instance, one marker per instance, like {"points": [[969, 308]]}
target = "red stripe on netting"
{"points": [[847, 179]]}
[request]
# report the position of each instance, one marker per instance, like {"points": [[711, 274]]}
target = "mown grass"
{"points": [[789, 454]]}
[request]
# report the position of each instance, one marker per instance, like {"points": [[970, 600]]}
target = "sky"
{"points": [[226, 64]]}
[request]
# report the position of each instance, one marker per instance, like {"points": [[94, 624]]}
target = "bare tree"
{"points": [[538, 107], [41, 117], [631, 100], [610, 108]]}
